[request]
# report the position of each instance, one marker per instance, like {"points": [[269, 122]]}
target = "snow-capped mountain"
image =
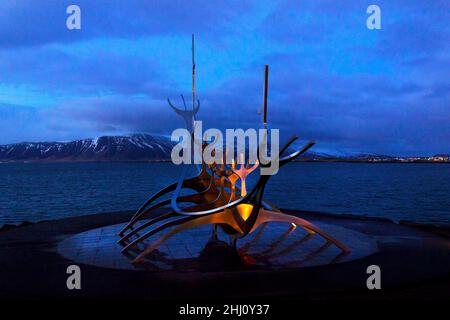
{"points": [[141, 147], [135, 147]]}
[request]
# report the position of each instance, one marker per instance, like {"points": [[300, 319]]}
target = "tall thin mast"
{"points": [[266, 88], [193, 74]]}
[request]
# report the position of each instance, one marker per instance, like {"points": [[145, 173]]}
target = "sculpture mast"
{"points": [[266, 89], [193, 74]]}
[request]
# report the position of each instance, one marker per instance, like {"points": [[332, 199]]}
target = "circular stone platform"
{"points": [[414, 262], [278, 245]]}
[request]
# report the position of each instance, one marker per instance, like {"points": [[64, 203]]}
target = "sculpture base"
{"points": [[273, 246]]}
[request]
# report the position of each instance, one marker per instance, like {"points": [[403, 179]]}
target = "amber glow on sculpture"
{"points": [[245, 210]]}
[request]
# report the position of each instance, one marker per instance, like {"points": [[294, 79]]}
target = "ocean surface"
{"points": [[43, 191]]}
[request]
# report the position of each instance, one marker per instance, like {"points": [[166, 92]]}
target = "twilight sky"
{"points": [[331, 79]]}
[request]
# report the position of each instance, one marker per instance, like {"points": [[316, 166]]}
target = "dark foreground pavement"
{"points": [[415, 264]]}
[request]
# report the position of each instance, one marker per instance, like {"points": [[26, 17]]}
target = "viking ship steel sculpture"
{"points": [[216, 200]]}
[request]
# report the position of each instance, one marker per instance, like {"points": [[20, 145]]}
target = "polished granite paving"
{"points": [[278, 245]]}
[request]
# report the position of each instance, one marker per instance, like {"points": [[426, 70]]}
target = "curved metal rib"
{"points": [[146, 225], [196, 198], [155, 230], [187, 115], [195, 183], [188, 223], [220, 197], [269, 216], [157, 195]]}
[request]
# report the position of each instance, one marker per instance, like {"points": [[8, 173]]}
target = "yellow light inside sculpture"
{"points": [[293, 225], [244, 210]]}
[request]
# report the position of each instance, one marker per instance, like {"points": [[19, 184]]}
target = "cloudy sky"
{"points": [[331, 79]]}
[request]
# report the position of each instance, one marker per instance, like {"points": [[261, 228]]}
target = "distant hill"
{"points": [[146, 147], [137, 147]]}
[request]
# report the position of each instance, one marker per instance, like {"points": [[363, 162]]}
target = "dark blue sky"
{"points": [[331, 79]]}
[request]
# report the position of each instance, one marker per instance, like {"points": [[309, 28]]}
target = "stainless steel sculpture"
{"points": [[216, 199]]}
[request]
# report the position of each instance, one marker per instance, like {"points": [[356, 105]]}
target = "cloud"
{"points": [[331, 79], [33, 23]]}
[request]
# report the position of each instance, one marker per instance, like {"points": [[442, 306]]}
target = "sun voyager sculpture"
{"points": [[216, 196]]}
